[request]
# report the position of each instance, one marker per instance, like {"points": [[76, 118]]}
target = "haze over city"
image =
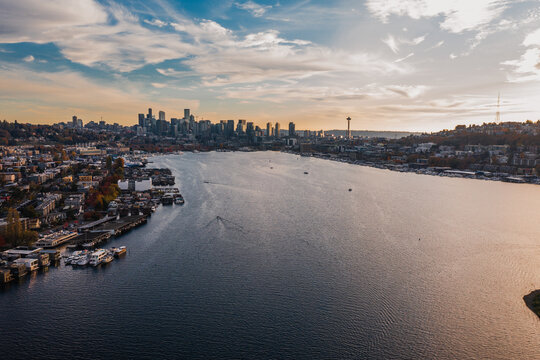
{"points": [[414, 65]]}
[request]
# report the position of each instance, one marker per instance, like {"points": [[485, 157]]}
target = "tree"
{"points": [[109, 163], [30, 211]]}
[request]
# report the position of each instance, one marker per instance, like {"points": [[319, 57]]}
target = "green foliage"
{"points": [[14, 233], [29, 212]]}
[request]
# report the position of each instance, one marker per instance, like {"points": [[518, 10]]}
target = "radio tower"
{"points": [[349, 127], [498, 113]]}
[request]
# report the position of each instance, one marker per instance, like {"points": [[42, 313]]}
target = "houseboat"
{"points": [[97, 257], [31, 264], [5, 276], [18, 270]]}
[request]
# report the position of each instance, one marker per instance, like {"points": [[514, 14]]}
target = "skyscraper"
{"points": [[230, 127], [277, 130], [141, 120], [269, 129], [162, 115], [292, 131], [186, 114], [241, 127], [149, 116]]}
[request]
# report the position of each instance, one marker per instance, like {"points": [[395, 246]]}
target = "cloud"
{"points": [[29, 58], [156, 22], [527, 67], [159, 85], [390, 41], [88, 33], [61, 94], [408, 91], [395, 43], [458, 15], [404, 58], [254, 8]]}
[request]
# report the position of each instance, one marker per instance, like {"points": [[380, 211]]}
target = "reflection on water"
{"points": [[265, 261]]}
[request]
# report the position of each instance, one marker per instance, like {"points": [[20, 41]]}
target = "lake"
{"points": [[265, 261]]}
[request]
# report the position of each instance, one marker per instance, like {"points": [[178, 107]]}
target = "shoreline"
{"points": [[532, 300], [432, 171]]}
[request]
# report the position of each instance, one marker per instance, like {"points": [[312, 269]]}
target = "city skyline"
{"points": [[413, 65]]}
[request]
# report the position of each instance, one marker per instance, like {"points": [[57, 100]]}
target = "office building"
{"points": [[292, 131]]}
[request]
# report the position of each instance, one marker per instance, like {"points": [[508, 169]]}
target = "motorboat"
{"points": [[108, 258], [119, 251], [179, 200]]}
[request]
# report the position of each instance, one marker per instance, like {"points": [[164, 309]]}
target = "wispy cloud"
{"points": [[458, 15], [527, 67], [255, 9], [391, 42], [29, 58], [404, 58], [156, 22]]}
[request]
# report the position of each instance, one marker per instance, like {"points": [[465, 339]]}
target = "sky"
{"points": [[414, 65]]}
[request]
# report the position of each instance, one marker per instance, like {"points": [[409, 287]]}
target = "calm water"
{"points": [[296, 266]]}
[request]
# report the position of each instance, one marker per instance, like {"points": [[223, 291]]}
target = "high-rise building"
{"points": [[230, 127], [241, 127], [292, 131], [141, 120], [277, 130], [186, 114], [74, 120], [162, 115], [149, 116], [269, 129]]}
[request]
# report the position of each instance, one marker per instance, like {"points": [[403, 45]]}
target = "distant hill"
{"points": [[371, 134]]}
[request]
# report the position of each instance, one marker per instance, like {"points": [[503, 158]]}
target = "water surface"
{"points": [[264, 261]]}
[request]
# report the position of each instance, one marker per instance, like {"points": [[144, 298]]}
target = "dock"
{"points": [[122, 225], [91, 239]]}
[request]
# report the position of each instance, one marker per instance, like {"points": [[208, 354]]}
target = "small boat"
{"points": [[82, 261], [179, 200], [305, 172], [72, 246], [119, 251], [108, 258], [350, 189]]}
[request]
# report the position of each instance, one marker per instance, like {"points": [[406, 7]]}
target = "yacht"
{"points": [[97, 257], [82, 260]]}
